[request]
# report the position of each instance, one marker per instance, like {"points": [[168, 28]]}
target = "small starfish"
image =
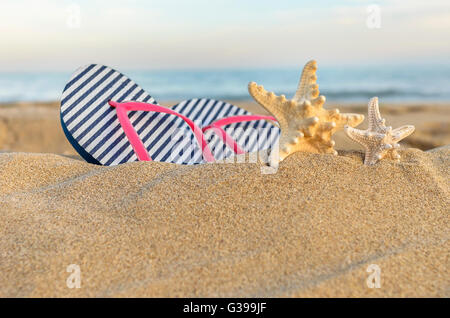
{"points": [[305, 125], [378, 140]]}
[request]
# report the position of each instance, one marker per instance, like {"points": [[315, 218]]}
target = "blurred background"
{"points": [[397, 50]]}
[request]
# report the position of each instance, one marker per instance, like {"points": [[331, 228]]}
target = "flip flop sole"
{"points": [[93, 129]]}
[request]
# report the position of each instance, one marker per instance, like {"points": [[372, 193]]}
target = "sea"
{"points": [[401, 83]]}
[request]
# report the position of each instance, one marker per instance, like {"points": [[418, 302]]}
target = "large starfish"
{"points": [[305, 125], [378, 140]]}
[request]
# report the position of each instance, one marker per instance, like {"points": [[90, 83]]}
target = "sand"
{"points": [[155, 229]]}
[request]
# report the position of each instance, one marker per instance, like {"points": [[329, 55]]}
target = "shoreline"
{"points": [[413, 103]]}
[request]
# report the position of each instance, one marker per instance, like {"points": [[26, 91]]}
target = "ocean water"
{"points": [[339, 83]]}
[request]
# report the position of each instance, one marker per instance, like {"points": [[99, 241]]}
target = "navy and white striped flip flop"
{"points": [[92, 126]]}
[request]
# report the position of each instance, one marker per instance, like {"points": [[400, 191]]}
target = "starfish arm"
{"points": [[272, 103], [349, 119], [307, 87], [372, 156], [318, 102], [357, 135], [375, 120], [402, 132]]}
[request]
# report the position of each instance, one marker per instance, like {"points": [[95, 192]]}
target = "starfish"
{"points": [[378, 140], [305, 125]]}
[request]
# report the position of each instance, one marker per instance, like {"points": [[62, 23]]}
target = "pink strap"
{"points": [[227, 139], [238, 119], [141, 151], [136, 142], [231, 120]]}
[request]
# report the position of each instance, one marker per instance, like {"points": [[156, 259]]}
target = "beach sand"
{"points": [[155, 229]]}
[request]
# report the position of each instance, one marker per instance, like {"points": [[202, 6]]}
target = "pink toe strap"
{"points": [[136, 142], [141, 151], [216, 126]]}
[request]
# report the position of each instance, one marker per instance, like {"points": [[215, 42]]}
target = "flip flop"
{"points": [[110, 120]]}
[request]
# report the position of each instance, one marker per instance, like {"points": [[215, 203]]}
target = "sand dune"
{"points": [[155, 229]]}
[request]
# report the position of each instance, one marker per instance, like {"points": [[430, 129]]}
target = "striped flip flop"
{"points": [[110, 120]]}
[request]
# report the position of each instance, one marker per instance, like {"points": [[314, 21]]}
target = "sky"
{"points": [[61, 35]]}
